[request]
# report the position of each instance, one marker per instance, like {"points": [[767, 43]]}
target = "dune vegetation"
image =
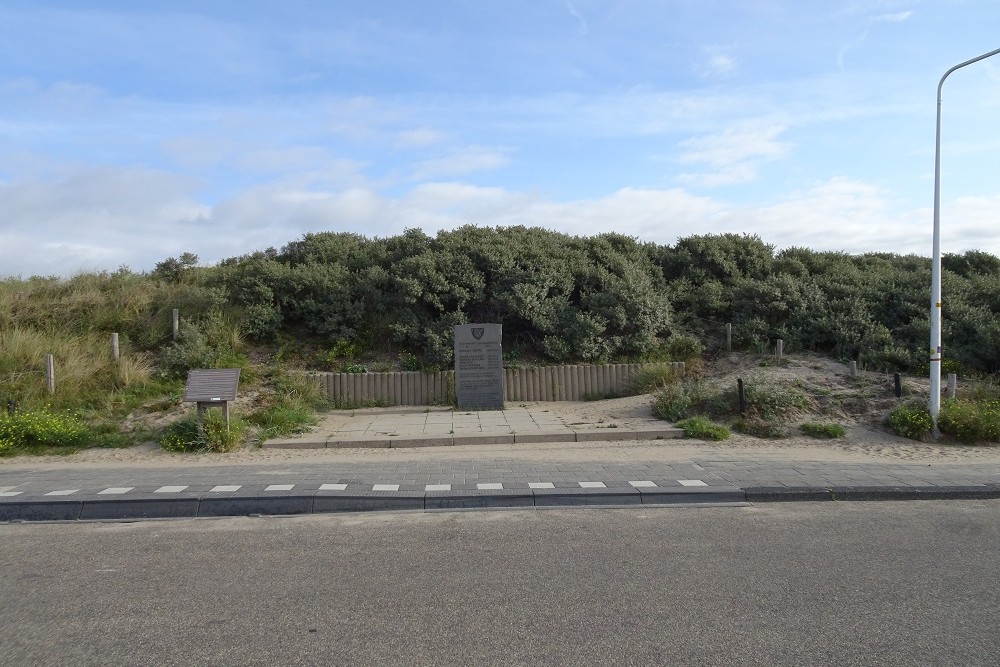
{"points": [[340, 301]]}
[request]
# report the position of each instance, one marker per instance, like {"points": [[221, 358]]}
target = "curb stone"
{"points": [[32, 509]]}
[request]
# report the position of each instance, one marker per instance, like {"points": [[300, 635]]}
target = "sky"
{"points": [[134, 131]]}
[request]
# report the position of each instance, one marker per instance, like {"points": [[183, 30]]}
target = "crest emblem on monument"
{"points": [[477, 332]]}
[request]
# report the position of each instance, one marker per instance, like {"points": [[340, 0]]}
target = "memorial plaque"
{"points": [[478, 367]]}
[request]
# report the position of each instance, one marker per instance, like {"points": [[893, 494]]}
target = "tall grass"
{"points": [[85, 373], [134, 305]]}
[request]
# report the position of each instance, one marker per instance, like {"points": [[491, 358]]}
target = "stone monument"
{"points": [[478, 367]]}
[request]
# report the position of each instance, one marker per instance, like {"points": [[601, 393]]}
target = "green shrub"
{"points": [[23, 430], [823, 431], [353, 367], [183, 435], [703, 429], [409, 362], [970, 422], [683, 347], [911, 421], [672, 402]]}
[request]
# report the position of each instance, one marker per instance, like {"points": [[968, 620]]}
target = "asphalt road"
{"points": [[894, 583]]}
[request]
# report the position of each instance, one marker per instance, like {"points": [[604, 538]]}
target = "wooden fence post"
{"points": [[114, 346], [176, 323], [854, 370], [50, 374], [729, 338], [780, 349]]}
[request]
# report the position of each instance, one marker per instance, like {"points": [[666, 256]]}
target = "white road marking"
{"points": [[642, 484], [692, 482], [279, 487], [541, 485], [593, 485], [332, 487], [224, 488], [385, 487], [9, 494], [115, 490], [438, 487], [64, 492], [170, 489], [489, 486]]}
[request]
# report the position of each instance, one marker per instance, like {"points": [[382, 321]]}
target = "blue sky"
{"points": [[130, 132]]}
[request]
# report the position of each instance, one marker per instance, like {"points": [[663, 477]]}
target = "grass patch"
{"points": [[759, 427], [822, 431], [652, 377], [281, 419], [703, 429]]}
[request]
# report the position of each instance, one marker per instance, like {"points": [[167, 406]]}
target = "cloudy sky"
{"points": [[134, 131]]}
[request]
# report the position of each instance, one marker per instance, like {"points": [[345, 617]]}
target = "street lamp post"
{"points": [[935, 365]]}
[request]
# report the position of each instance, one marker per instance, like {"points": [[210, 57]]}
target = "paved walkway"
{"points": [[440, 426]]}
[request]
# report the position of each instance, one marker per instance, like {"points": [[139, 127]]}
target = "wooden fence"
{"points": [[539, 383]]}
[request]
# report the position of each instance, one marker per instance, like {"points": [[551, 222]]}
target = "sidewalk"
{"points": [[442, 426]]}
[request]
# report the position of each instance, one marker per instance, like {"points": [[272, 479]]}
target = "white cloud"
{"points": [[100, 219], [418, 137], [462, 161], [580, 21], [897, 17], [732, 155], [717, 62]]}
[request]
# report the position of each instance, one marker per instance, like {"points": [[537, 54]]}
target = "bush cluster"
{"points": [[183, 435], [970, 422], [911, 420], [559, 297]]}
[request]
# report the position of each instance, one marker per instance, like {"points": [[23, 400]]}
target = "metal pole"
{"points": [[934, 406]]}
